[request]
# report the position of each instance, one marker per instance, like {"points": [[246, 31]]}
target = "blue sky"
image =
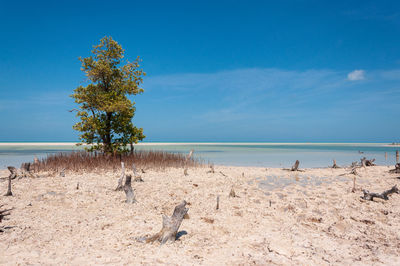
{"points": [[216, 70]]}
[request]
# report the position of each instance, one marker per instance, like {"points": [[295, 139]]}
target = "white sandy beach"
{"points": [[306, 218]]}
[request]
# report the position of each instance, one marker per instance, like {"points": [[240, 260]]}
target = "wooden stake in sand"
{"points": [[170, 225], [121, 179], [217, 208], [130, 197], [384, 195]]}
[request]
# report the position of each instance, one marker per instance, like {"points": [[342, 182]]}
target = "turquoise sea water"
{"points": [[238, 154]]}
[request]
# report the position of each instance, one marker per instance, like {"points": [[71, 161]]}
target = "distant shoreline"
{"points": [[202, 143]]}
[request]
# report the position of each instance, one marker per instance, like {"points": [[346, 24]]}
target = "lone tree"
{"points": [[105, 110]]}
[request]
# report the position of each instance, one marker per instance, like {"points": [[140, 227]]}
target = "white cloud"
{"points": [[356, 75]]}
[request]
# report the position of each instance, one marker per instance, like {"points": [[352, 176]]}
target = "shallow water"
{"points": [[247, 154]]}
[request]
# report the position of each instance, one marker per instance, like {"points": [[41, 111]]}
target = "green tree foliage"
{"points": [[105, 111]]}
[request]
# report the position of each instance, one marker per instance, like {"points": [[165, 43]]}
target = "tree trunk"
{"points": [[170, 225]]}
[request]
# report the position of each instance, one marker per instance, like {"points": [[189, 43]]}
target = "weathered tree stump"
{"points": [[9, 192], [170, 225], [335, 165], [121, 179], [396, 169], [295, 167], [137, 177], [130, 197], [384, 195], [365, 162]]}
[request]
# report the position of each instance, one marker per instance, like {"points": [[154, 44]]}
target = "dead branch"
{"points": [[121, 179], [130, 197], [384, 195], [396, 169], [222, 174], [170, 225]]}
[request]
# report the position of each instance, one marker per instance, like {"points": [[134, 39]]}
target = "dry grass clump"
{"points": [[78, 161]]}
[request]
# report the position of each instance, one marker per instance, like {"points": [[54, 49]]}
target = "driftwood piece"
{"points": [[25, 171], [9, 192], [222, 174], [396, 169], [334, 164], [384, 195], [3, 214], [170, 225], [121, 179], [130, 197]]}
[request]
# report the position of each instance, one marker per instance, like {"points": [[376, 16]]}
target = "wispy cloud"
{"points": [[356, 75]]}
